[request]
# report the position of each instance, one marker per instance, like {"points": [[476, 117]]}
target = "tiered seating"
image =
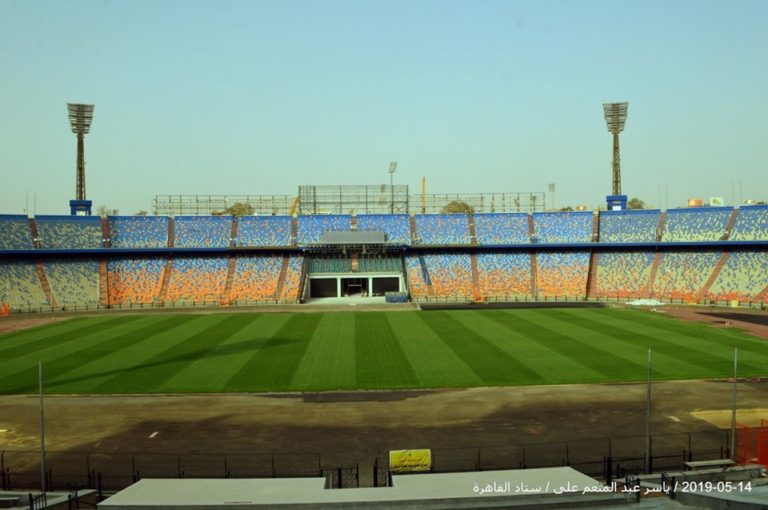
{"points": [[264, 231], [629, 226], [504, 274], [135, 280], [439, 229], [751, 224], [681, 275], [380, 265], [623, 274], [563, 227], [292, 279], [15, 233], [705, 224], [256, 277], [416, 282], [198, 279], [73, 282], [20, 285], [69, 232], [502, 228], [396, 226], [311, 228], [450, 274], [743, 277], [330, 265], [562, 274], [202, 231], [138, 231]]}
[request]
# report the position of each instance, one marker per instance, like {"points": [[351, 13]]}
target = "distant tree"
{"points": [[457, 206], [566, 209], [635, 203], [239, 209], [141, 213]]}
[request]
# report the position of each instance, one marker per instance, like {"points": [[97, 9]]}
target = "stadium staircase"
{"points": [[166, 275], [353, 222], [227, 297], [294, 230], [105, 233], [413, 228], [475, 278], [660, 229], [762, 296], [33, 230], [715, 273], [171, 235], [731, 222], [103, 283], [281, 278], [592, 276], [652, 277], [595, 228], [44, 283], [534, 267], [472, 236], [304, 275], [425, 276], [233, 234], [531, 229]]}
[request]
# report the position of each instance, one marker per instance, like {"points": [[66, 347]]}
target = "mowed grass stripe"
{"points": [[434, 363], [116, 356], [273, 365], [492, 365], [670, 359], [212, 330], [24, 335], [379, 357], [707, 359], [557, 336], [547, 362], [47, 338], [91, 349], [212, 372], [329, 361]]}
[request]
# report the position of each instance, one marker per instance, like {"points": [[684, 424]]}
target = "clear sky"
{"points": [[259, 97]]}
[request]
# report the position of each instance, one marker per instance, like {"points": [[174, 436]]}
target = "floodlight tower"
{"points": [[80, 117], [615, 117], [392, 170]]}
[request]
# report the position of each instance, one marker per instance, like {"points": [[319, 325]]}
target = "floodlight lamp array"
{"points": [[80, 117], [615, 116]]}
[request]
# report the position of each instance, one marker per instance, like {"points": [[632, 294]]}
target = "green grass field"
{"points": [[224, 352]]}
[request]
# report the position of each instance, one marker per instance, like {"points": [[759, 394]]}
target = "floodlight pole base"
{"points": [[80, 207]]}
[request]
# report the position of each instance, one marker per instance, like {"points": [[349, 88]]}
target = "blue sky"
{"points": [[259, 97]]}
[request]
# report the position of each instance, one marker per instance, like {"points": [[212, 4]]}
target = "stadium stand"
{"points": [[292, 279], [442, 229], [501, 228], [696, 224], [202, 231], [135, 280], [20, 285], [563, 227], [311, 228], [450, 274], [751, 224], [256, 277], [396, 226], [264, 231], [69, 232], [639, 226], [742, 278], [15, 233], [74, 282], [417, 279], [504, 274], [562, 274], [196, 278], [681, 275], [623, 274], [138, 231]]}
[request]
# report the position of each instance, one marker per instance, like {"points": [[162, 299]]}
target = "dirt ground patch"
{"points": [[753, 322]]}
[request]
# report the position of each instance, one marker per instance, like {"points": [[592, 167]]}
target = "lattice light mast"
{"points": [[615, 117], [391, 171], [80, 117]]}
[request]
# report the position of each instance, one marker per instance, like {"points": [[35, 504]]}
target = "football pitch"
{"points": [[279, 352]]}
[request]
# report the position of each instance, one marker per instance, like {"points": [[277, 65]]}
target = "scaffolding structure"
{"points": [[528, 202], [177, 205], [376, 199]]}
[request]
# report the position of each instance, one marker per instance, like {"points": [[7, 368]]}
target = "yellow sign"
{"points": [[405, 461]]}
